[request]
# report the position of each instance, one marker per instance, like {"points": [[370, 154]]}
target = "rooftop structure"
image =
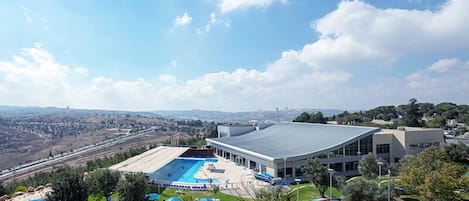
{"points": [[151, 160], [282, 149], [293, 139]]}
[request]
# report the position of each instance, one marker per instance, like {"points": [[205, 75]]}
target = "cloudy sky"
{"points": [[233, 55]]}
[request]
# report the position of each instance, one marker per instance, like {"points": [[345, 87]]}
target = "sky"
{"points": [[233, 55]]}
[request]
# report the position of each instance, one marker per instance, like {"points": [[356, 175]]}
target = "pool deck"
{"points": [[150, 160], [234, 179]]}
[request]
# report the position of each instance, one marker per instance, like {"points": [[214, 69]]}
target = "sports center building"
{"points": [[286, 147]]}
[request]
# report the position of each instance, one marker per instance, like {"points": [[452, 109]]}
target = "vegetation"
{"points": [[362, 189], [274, 194], [432, 176], [311, 118], [133, 187], [369, 167], [3, 190], [68, 185], [458, 152], [103, 182], [411, 114], [190, 195], [48, 177], [317, 175]]}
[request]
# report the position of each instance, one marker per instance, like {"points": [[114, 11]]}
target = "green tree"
{"points": [[133, 187], [317, 174], [68, 185], [274, 194], [103, 182], [457, 152], [3, 191], [432, 176], [412, 114], [361, 189], [368, 167], [303, 117]]}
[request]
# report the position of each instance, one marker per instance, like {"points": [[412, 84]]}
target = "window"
{"points": [[336, 167], [322, 156], [366, 145], [382, 149], [413, 145], [337, 153], [351, 166], [351, 149]]}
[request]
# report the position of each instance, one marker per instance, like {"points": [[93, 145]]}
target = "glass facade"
{"points": [[382, 149], [366, 145], [351, 149]]}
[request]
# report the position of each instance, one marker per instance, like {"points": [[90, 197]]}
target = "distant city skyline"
{"points": [[233, 55]]}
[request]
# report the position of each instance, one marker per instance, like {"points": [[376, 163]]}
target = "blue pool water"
{"points": [[182, 170]]}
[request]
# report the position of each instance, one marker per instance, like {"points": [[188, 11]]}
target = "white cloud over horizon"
{"points": [[320, 74], [183, 20]]}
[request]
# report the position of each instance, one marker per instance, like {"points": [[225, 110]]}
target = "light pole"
{"points": [[389, 185], [380, 164], [331, 171], [285, 168], [298, 189]]}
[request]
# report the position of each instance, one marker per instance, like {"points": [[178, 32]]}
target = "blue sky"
{"points": [[232, 55]]}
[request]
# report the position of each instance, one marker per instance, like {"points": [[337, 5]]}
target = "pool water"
{"points": [[182, 170]]}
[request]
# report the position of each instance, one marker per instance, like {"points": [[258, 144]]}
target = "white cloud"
{"points": [[173, 63], [81, 71], [213, 18], [358, 34], [444, 65], [166, 78], [27, 14], [182, 20], [226, 6]]}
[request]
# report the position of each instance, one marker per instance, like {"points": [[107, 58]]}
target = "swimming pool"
{"points": [[182, 170]]}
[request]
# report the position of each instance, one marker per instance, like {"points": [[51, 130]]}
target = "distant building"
{"points": [[285, 147]]}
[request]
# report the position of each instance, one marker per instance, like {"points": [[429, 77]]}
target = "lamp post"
{"points": [[389, 185], [285, 168], [298, 189], [331, 171], [380, 164]]}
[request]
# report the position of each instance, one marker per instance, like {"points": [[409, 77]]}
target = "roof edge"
{"points": [[241, 150]]}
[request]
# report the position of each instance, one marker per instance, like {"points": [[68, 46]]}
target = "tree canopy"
{"points": [[369, 167], [68, 185], [432, 175], [103, 182], [133, 187], [316, 117], [317, 174], [458, 152], [361, 189]]}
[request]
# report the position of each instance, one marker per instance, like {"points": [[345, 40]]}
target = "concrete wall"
{"points": [[418, 137], [231, 131]]}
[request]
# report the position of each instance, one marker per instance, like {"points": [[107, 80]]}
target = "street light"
{"points": [[380, 164], [298, 189], [389, 185], [285, 168], [331, 171]]}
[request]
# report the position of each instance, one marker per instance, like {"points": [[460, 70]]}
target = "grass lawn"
{"points": [[95, 197], [308, 192], [198, 194]]}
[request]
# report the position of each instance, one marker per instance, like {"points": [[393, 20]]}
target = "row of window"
{"points": [[382, 149], [424, 145]]}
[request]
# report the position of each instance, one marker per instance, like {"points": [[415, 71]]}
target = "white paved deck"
{"points": [[234, 179], [151, 160]]}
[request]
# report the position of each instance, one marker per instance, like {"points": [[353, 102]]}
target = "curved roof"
{"points": [[284, 140]]}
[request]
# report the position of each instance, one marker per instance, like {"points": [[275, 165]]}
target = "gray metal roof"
{"points": [[285, 140]]}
